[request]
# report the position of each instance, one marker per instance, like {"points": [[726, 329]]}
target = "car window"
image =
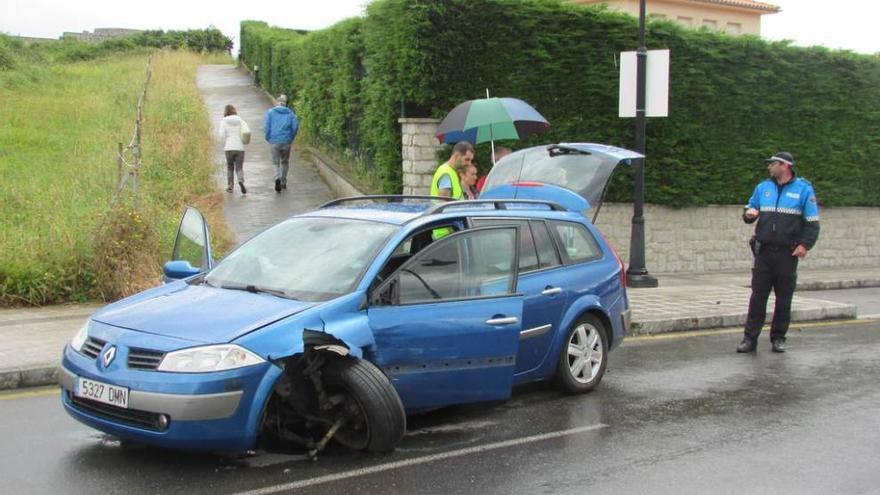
{"points": [[578, 244], [306, 258], [547, 254], [473, 264], [528, 257]]}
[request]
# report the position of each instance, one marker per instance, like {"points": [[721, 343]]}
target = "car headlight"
{"points": [[80, 338], [209, 358]]}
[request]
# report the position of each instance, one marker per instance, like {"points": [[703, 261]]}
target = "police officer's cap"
{"points": [[782, 156]]}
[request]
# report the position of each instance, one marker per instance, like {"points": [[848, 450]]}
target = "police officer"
{"points": [[788, 225]]}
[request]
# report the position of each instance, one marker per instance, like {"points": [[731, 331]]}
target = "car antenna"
{"points": [[522, 163]]}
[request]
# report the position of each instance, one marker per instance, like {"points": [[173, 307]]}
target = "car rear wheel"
{"points": [[377, 420], [583, 357]]}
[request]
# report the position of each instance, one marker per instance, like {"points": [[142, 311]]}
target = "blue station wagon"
{"points": [[336, 323]]}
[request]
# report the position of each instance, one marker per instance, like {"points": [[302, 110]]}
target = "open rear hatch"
{"points": [[584, 168]]}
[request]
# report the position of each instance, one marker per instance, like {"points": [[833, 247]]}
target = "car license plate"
{"points": [[102, 392]]}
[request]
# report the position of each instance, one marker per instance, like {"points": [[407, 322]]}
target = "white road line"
{"points": [[419, 460]]}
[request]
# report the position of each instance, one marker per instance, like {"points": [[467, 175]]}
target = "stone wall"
{"points": [[419, 151], [714, 238]]}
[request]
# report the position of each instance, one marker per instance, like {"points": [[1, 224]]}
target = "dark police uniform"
{"points": [[789, 215]]}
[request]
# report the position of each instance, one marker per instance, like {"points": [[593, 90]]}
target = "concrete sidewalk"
{"points": [[34, 338], [248, 214]]}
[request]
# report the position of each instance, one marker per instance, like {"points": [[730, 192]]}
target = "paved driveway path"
{"points": [[261, 206]]}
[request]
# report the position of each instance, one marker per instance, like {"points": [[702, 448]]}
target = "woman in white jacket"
{"points": [[232, 128]]}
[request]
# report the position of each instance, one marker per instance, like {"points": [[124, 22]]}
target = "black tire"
{"points": [[380, 419], [589, 336]]}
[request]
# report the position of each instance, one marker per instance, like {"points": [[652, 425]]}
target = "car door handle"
{"points": [[509, 320], [551, 291]]}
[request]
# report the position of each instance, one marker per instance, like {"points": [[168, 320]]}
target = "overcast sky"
{"points": [[847, 24]]}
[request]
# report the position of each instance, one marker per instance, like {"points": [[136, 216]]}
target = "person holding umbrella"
{"points": [[445, 182], [500, 153]]}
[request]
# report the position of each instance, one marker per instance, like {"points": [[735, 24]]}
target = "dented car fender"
{"points": [[342, 319]]}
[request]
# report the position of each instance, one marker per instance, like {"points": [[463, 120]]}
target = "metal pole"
{"points": [[637, 275]]}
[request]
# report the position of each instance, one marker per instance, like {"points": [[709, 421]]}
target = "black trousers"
{"points": [[774, 269]]}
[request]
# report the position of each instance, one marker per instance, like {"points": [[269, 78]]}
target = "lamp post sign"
{"points": [[656, 84], [657, 67]]}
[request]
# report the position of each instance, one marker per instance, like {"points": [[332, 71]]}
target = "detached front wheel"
{"points": [[376, 418], [583, 357]]}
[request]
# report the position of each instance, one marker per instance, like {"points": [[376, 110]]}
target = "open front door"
{"points": [[447, 322], [192, 247]]}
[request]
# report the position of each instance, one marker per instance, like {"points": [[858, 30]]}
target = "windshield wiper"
{"points": [[257, 290]]}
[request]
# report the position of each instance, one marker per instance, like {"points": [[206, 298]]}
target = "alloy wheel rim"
{"points": [[585, 353]]}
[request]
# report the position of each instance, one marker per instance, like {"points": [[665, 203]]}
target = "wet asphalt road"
{"points": [[673, 415]]}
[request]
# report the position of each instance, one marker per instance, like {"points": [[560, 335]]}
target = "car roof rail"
{"points": [[497, 204], [390, 198]]}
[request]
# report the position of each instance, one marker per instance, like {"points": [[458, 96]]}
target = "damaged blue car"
{"points": [[336, 323]]}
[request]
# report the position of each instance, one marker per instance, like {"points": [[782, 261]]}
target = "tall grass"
{"points": [[59, 129]]}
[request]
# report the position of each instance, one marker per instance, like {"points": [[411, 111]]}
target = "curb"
{"points": [[651, 327], [326, 166], [37, 376], [838, 284]]}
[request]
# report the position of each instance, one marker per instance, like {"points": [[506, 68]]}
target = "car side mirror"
{"points": [[179, 269]]}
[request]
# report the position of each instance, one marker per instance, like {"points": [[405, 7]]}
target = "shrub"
{"points": [[126, 248], [734, 100]]}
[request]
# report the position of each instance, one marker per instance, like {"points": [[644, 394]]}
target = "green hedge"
{"points": [[733, 102]]}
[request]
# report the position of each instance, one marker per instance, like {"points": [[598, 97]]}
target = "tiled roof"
{"points": [[748, 4]]}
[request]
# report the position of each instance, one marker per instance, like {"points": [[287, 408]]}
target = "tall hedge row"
{"points": [[733, 101]]}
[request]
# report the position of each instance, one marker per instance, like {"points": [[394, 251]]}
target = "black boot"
{"points": [[778, 344], [243, 189], [748, 344], [277, 185]]}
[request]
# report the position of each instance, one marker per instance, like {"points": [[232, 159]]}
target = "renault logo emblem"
{"points": [[108, 356]]}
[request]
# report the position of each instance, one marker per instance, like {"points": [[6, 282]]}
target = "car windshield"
{"points": [[305, 258]]}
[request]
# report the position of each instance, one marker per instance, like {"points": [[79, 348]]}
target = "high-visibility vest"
{"points": [[446, 169]]}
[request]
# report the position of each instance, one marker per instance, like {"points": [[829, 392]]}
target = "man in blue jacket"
{"points": [[280, 127], [787, 212]]}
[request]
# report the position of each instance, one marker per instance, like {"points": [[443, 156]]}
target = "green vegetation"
{"points": [[63, 236], [734, 101]]}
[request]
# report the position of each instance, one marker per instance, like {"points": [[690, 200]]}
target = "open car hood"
{"points": [[584, 168]]}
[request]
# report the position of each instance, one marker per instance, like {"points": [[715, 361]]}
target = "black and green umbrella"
{"points": [[488, 119]]}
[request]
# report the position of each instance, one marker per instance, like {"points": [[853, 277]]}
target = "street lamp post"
{"points": [[637, 275]]}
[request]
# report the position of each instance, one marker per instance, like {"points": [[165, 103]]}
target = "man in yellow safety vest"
{"points": [[445, 182]]}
